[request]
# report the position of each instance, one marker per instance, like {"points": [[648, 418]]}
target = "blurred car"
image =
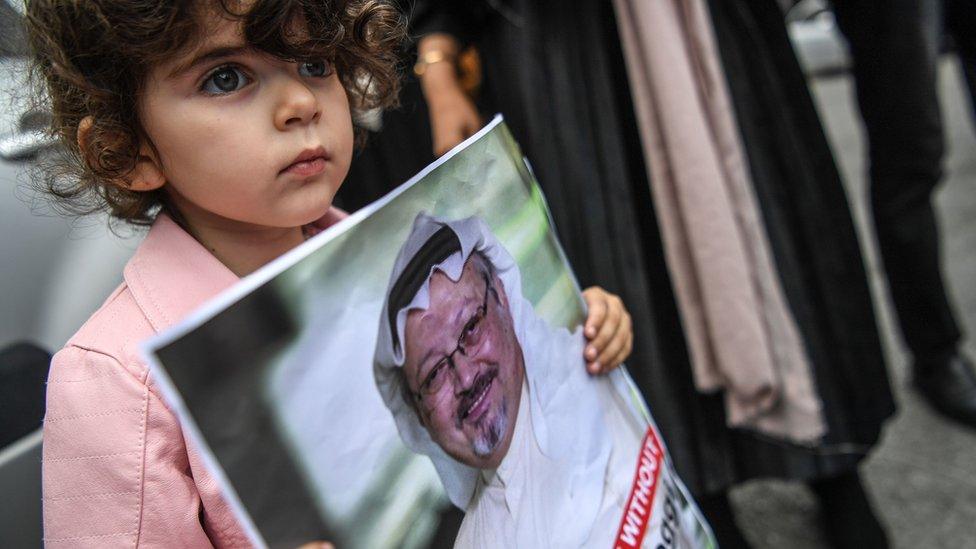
{"points": [[56, 271]]}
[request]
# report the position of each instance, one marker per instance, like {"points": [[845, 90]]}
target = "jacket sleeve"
{"points": [[115, 466], [462, 19]]}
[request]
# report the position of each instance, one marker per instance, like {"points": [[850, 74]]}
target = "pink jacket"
{"points": [[117, 469]]}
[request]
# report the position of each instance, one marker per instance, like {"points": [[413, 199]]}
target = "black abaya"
{"points": [[814, 242]]}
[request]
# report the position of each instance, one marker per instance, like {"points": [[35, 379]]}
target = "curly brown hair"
{"points": [[92, 58]]}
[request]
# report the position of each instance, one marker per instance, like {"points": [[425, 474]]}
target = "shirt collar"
{"points": [[171, 274]]}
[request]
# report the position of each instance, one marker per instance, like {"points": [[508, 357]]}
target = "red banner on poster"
{"points": [[640, 504]]}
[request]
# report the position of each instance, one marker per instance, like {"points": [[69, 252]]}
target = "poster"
{"points": [[414, 377]]}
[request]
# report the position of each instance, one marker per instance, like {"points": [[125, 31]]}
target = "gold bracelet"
{"points": [[429, 58]]}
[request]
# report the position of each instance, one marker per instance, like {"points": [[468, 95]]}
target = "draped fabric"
{"points": [[556, 71], [813, 241], [741, 334]]}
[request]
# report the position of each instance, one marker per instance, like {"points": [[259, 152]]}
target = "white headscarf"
{"points": [[554, 371]]}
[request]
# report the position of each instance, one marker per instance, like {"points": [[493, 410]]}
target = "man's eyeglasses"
{"points": [[470, 339]]}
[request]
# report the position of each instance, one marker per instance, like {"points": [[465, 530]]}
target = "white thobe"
{"points": [[512, 500]]}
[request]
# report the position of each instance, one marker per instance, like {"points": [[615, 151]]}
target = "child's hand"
{"points": [[608, 331]]}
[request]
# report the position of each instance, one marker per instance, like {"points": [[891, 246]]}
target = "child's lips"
{"points": [[306, 168], [309, 163]]}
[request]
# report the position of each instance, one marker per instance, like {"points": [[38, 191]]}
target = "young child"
{"points": [[227, 127]]}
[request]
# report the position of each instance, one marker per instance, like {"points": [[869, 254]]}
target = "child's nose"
{"points": [[297, 104]]}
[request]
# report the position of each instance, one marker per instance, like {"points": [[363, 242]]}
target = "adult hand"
{"points": [[453, 118], [608, 330], [453, 115]]}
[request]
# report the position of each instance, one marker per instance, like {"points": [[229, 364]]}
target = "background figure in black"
{"points": [[808, 221], [894, 48]]}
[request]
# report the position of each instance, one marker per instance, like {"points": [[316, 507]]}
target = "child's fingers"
{"points": [[616, 344], [611, 324], [621, 356], [596, 306]]}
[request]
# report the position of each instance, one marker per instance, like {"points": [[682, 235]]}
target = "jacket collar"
{"points": [[171, 274]]}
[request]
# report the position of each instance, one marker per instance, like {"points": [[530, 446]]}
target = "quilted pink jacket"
{"points": [[117, 469]]}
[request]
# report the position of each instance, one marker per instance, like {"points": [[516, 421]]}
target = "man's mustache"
{"points": [[473, 393]]}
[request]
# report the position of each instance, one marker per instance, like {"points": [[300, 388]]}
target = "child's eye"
{"points": [[225, 80], [315, 68]]}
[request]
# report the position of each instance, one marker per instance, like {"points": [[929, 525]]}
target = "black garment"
{"points": [[391, 156], [814, 244], [894, 49], [23, 373], [555, 70], [718, 512], [848, 518]]}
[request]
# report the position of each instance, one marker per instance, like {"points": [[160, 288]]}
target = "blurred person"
{"points": [[894, 48]]}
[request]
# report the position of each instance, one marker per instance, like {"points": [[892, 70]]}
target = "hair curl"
{"points": [[92, 58]]}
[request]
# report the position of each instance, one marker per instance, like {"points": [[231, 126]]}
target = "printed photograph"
{"points": [[415, 377]]}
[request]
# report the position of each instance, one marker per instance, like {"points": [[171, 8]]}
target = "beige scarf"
{"points": [[742, 336]]}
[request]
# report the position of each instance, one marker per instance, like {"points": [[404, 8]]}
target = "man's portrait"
{"points": [[463, 366], [536, 451]]}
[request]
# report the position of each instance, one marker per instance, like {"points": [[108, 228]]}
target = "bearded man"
{"points": [[535, 450]]}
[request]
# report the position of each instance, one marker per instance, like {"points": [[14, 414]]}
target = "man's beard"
{"points": [[490, 433]]}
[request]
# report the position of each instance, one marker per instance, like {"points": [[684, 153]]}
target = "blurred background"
{"points": [[56, 271]]}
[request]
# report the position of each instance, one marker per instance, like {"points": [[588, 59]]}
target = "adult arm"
{"points": [[445, 28], [453, 115]]}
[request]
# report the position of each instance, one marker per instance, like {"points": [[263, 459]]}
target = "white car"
{"points": [[55, 272]]}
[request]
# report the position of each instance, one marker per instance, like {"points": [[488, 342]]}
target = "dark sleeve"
{"points": [[462, 19]]}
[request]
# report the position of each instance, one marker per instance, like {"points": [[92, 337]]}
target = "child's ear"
{"points": [[147, 174]]}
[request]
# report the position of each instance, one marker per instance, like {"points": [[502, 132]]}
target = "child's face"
{"points": [[246, 140]]}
